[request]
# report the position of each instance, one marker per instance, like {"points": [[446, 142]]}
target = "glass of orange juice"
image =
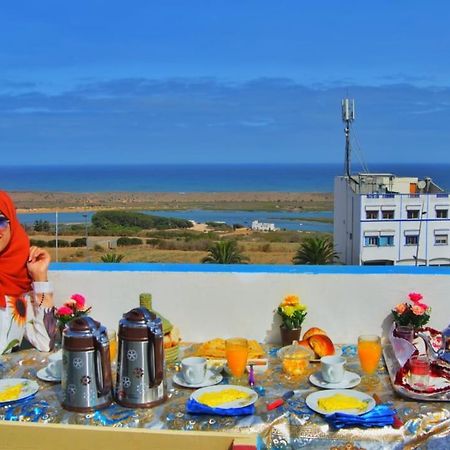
{"points": [[369, 352], [236, 350], [112, 338]]}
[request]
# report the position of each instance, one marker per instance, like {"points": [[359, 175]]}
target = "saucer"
{"points": [[211, 379], [350, 380], [44, 375]]}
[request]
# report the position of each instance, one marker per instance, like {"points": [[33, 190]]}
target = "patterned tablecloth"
{"points": [[294, 425]]}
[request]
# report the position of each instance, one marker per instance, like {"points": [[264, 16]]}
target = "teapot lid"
{"points": [[81, 333], [135, 324]]}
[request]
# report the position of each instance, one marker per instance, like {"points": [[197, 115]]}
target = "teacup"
{"points": [[54, 368], [193, 369], [332, 368]]}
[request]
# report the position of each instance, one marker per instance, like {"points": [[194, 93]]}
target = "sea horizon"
{"points": [[307, 177]]}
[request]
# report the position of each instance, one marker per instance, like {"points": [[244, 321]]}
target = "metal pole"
{"points": [[86, 234], [56, 236]]}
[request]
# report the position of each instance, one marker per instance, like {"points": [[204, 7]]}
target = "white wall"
{"points": [[222, 304]]}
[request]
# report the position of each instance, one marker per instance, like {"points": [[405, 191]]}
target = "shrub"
{"points": [[78, 242], [61, 243], [38, 242], [124, 241]]}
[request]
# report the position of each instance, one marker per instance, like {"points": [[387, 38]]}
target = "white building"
{"points": [[382, 219], [261, 226]]}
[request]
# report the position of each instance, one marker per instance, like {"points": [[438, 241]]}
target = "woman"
{"points": [[26, 300]]}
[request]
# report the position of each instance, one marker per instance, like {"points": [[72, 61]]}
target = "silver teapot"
{"points": [[86, 375], [438, 347], [140, 362]]}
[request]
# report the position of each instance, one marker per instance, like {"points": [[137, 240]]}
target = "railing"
{"points": [[207, 301]]}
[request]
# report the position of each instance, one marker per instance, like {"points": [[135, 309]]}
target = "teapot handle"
{"points": [[103, 387], [156, 359]]}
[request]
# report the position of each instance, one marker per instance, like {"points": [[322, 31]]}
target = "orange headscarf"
{"points": [[14, 277]]}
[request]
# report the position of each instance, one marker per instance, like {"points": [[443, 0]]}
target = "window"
{"points": [[412, 213], [442, 213], [441, 239], [412, 239], [386, 241], [388, 214], [371, 241], [371, 214]]}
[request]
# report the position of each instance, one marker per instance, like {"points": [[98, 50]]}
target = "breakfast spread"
{"points": [[214, 399], [215, 348], [339, 402]]}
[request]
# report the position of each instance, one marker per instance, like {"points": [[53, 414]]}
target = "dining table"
{"points": [[424, 424]]}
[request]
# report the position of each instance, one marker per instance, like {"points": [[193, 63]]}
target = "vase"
{"points": [[405, 332], [289, 335]]}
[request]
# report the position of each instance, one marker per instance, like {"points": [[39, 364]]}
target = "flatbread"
{"points": [[215, 348]]}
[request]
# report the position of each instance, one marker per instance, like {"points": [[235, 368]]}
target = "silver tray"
{"points": [[393, 366]]}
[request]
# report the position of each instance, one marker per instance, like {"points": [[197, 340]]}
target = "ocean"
{"points": [[200, 178]]}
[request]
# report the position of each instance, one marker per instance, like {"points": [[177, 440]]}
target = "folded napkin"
{"points": [[194, 407], [380, 416]]}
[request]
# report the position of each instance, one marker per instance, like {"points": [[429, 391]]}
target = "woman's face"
{"points": [[5, 233]]}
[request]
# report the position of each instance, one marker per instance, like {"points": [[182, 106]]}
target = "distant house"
{"points": [[382, 219], [261, 226], [107, 243]]}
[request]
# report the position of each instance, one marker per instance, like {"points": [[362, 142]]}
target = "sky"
{"points": [[230, 81]]}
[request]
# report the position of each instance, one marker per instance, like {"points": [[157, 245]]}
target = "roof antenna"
{"points": [[348, 116]]}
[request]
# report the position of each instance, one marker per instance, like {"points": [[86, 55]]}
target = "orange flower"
{"points": [[400, 308], [418, 310], [19, 310], [290, 300]]}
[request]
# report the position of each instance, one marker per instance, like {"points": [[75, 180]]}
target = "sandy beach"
{"points": [[66, 202]]}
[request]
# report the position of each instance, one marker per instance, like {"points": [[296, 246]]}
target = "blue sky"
{"points": [[222, 81]]}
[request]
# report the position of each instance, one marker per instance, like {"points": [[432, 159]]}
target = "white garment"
{"points": [[23, 317]]}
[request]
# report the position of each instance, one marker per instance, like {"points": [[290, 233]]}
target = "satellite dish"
{"points": [[421, 184]]}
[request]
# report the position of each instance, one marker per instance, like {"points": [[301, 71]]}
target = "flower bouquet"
{"points": [[74, 307], [414, 313], [292, 314]]}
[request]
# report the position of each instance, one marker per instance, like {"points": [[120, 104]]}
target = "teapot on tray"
{"points": [[438, 344]]}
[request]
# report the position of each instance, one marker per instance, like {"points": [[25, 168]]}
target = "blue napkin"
{"points": [[194, 407], [380, 416]]}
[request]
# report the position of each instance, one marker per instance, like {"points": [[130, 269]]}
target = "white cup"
{"points": [[54, 368], [332, 368], [193, 369]]}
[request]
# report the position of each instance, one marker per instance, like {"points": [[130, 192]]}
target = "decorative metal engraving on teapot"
{"points": [[438, 347]]}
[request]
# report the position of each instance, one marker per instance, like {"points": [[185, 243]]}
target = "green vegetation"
{"points": [[317, 251], [125, 241], [41, 225], [225, 252], [126, 221], [112, 258]]}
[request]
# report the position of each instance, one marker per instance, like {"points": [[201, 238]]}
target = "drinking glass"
{"points": [[419, 372], [112, 338], [369, 352], [236, 350]]}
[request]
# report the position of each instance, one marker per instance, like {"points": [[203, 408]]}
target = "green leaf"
{"points": [[11, 345]]}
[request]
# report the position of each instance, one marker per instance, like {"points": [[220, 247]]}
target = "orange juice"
{"points": [[112, 337], [236, 351], [369, 352]]}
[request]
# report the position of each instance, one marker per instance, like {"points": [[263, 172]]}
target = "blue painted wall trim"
{"points": [[253, 268]]}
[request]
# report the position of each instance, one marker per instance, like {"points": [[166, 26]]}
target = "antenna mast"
{"points": [[348, 116]]}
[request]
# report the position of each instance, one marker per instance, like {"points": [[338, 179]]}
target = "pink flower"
{"points": [[64, 311], [423, 305], [400, 308], [418, 310], [79, 300], [415, 297]]}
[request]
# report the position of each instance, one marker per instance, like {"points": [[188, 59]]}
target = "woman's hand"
{"points": [[37, 264]]}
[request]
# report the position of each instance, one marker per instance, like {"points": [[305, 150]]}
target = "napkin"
{"points": [[403, 349], [380, 416], [194, 407]]}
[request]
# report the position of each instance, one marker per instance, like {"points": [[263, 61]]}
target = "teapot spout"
{"points": [[430, 350]]}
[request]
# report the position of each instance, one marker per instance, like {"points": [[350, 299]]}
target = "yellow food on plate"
{"points": [[12, 393], [338, 402], [213, 399], [215, 348]]}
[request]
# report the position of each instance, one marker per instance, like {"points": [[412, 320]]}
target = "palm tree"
{"points": [[315, 250], [112, 258], [224, 252]]}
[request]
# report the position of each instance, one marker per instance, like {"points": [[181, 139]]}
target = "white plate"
{"points": [[312, 399], [211, 379], [29, 388], [45, 375], [253, 396], [55, 356], [350, 380]]}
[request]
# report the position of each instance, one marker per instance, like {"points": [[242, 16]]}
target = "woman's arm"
{"points": [[37, 265]]}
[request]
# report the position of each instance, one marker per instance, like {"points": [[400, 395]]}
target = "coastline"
{"points": [[33, 202]]}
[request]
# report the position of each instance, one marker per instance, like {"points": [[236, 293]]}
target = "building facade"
{"points": [[381, 219]]}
